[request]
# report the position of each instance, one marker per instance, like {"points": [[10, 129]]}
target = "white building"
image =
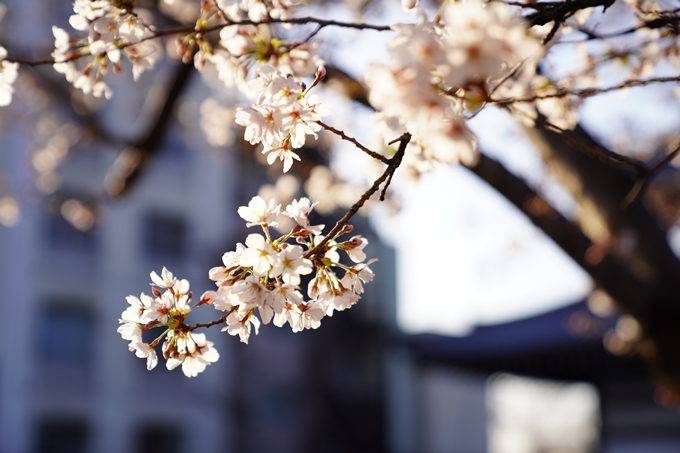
{"points": [[67, 381]]}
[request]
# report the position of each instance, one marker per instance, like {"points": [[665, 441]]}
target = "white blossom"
{"points": [[8, 75], [283, 153], [291, 264], [144, 350], [281, 118], [240, 324], [259, 212], [165, 280], [259, 255], [299, 211], [130, 331]]}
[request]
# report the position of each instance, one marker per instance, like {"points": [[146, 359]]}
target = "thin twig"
{"points": [[553, 31], [559, 11], [220, 320], [384, 189], [306, 40], [601, 153], [354, 141], [669, 157], [392, 166], [646, 176], [505, 78], [220, 10], [585, 92], [656, 23], [191, 29]]}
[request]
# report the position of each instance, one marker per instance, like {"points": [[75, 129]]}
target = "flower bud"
{"points": [[320, 73], [208, 298], [354, 242], [346, 229]]}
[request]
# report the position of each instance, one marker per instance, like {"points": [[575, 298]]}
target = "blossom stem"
{"points": [[155, 342], [266, 233], [220, 320]]}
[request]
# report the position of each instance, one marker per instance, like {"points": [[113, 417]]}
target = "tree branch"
{"points": [[322, 23], [559, 11], [604, 269], [125, 171], [392, 166], [646, 176], [346, 137], [222, 319], [585, 92]]}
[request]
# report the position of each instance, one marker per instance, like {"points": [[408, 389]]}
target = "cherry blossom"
{"points": [[258, 212], [281, 118], [8, 75], [240, 324], [189, 349], [108, 30], [165, 280], [144, 350], [258, 283], [260, 255], [299, 210], [292, 264]]}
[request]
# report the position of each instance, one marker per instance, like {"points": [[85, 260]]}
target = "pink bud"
{"points": [[320, 73], [346, 229], [355, 241], [208, 298]]}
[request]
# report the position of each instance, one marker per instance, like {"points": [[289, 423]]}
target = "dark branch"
{"points": [[605, 270], [129, 164], [346, 137], [585, 92], [322, 23], [646, 176], [222, 319], [394, 163], [559, 11]]}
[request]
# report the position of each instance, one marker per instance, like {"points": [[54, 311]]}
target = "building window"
{"points": [[66, 334], [165, 236], [64, 236], [173, 148], [62, 436], [159, 439]]}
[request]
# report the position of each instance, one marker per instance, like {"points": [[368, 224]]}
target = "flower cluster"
{"points": [[168, 309], [258, 283], [439, 69], [8, 75], [265, 274], [259, 10], [281, 116], [111, 31], [241, 45]]}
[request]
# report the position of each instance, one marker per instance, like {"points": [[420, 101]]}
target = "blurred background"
{"points": [[479, 334]]}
